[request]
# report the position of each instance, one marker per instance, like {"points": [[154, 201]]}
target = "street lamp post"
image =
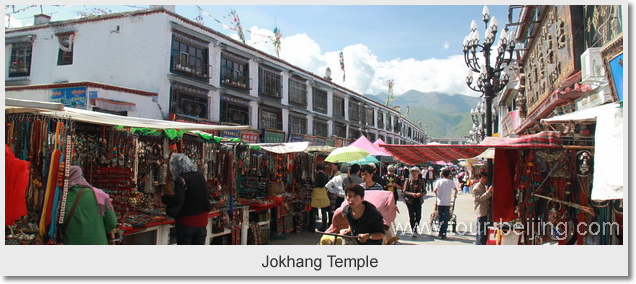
{"points": [[492, 78]]}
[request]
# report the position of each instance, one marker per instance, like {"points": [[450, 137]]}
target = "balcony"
{"points": [[199, 71]]}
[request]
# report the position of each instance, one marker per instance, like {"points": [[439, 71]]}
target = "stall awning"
{"points": [[284, 148], [21, 106], [114, 105], [415, 154], [586, 115]]}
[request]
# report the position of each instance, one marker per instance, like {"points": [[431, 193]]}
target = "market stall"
{"points": [[542, 188], [127, 157]]}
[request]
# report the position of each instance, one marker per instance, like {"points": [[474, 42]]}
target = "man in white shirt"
{"points": [[443, 193]]}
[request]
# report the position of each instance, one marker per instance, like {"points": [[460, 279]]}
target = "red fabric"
{"points": [[416, 154], [16, 180], [503, 199], [199, 220]]}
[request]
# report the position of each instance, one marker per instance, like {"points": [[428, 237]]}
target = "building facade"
{"points": [[569, 58], [157, 64]]}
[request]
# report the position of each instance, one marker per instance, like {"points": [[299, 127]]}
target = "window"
{"points": [[189, 56], [380, 120], [340, 130], [370, 117], [320, 128], [354, 134], [320, 100], [389, 123], [234, 111], [338, 107], [269, 82], [271, 118], [65, 53], [234, 71], [297, 92], [20, 59], [189, 100], [353, 110], [297, 123]]}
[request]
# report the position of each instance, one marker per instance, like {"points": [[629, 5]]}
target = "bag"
{"points": [[173, 211]]}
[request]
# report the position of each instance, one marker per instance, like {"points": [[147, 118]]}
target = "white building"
{"points": [[157, 64]]}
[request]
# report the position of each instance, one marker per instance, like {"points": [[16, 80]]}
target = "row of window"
{"points": [[21, 55]]}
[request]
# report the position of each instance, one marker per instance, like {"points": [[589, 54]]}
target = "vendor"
{"points": [[365, 221]]}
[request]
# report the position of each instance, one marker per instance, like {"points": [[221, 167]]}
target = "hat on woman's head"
{"points": [[415, 169], [390, 168]]}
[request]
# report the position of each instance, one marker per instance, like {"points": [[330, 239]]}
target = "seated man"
{"points": [[365, 221]]}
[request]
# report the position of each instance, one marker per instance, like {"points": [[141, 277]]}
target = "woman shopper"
{"points": [[414, 189], [89, 212], [319, 199], [190, 202]]}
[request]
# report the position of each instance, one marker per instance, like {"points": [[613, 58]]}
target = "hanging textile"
{"points": [[16, 180], [503, 200]]}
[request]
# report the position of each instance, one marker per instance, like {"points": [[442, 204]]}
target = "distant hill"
{"points": [[447, 116]]}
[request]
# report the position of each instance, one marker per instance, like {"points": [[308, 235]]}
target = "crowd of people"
{"points": [[350, 182]]}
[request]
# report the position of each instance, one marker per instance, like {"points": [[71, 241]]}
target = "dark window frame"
{"points": [[297, 124], [230, 112], [180, 96], [321, 128], [235, 72], [188, 58], [270, 82], [65, 57], [319, 98], [21, 56], [297, 91], [266, 123], [338, 107]]}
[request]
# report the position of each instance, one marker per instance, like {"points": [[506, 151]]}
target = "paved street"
{"points": [[465, 229]]}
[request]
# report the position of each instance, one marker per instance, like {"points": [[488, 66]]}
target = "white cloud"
{"points": [[446, 45], [365, 74]]}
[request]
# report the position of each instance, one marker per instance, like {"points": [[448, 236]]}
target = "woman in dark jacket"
{"points": [[190, 203], [413, 197]]}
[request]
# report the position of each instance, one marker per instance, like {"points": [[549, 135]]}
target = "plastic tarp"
{"points": [[24, 106], [609, 153], [284, 148]]}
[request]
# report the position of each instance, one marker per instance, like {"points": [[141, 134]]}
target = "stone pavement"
{"points": [[465, 230]]}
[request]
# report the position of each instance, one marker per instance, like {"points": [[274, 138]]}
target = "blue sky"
{"points": [[418, 46]]}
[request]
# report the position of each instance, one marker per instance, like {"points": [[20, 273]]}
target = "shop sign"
{"points": [[337, 142], [70, 97], [330, 142], [510, 122], [249, 136], [295, 137], [551, 59], [612, 54], [230, 134], [272, 136]]}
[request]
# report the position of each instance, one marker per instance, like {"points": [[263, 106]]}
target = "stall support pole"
{"points": [[245, 224]]}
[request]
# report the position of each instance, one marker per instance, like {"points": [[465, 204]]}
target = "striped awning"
{"points": [[416, 154]]}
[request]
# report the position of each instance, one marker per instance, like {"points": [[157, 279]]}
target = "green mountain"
{"points": [[447, 116]]}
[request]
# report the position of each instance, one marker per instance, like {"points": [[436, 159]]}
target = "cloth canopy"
{"points": [[586, 115], [284, 148], [488, 154], [365, 144], [416, 154], [24, 106], [609, 155]]}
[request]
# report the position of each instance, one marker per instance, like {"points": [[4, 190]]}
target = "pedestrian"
{"points": [[366, 172], [392, 182], [89, 213], [482, 203], [333, 170], [414, 192], [354, 176], [365, 221], [429, 178], [335, 190], [190, 203], [443, 193], [376, 177], [319, 199]]}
